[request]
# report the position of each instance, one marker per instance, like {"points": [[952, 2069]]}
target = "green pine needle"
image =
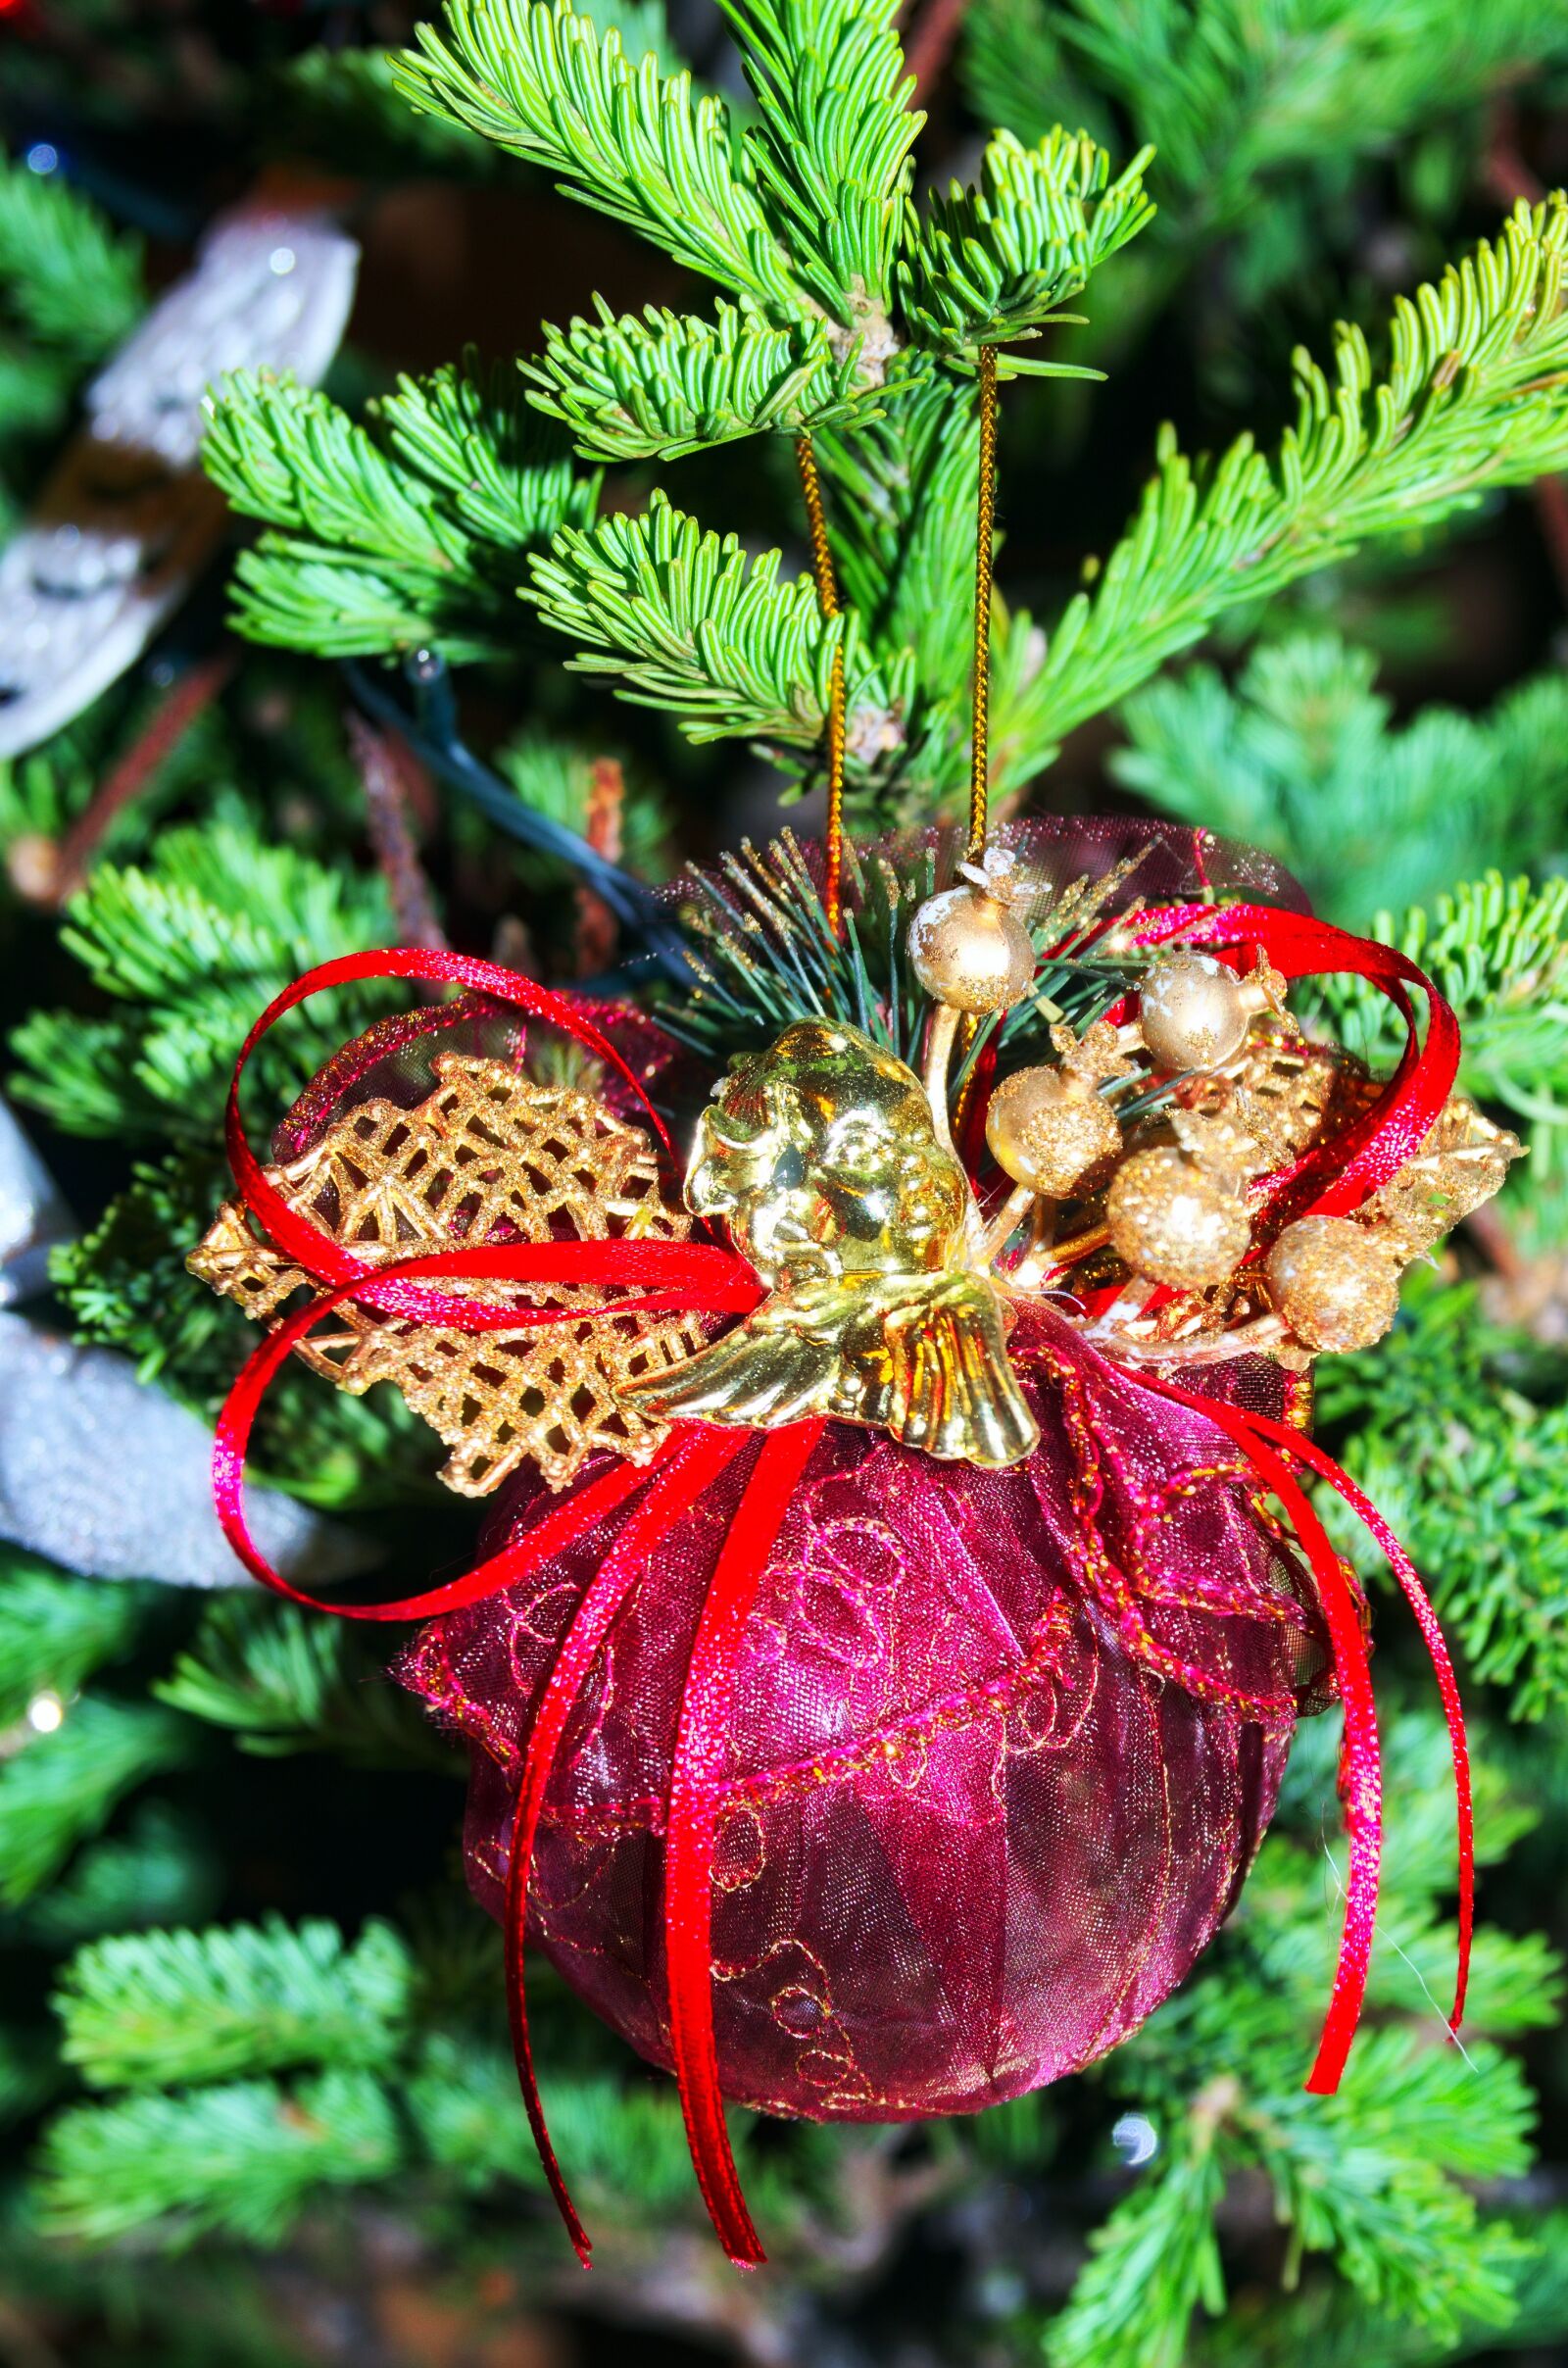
{"points": [[1475, 396], [61, 1787], [71, 283], [998, 261], [662, 383], [543, 83], [155, 2009], [244, 2159]]}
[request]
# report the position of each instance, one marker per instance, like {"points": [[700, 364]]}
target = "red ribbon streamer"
{"points": [[691, 1822], [700, 1276], [690, 1460]]}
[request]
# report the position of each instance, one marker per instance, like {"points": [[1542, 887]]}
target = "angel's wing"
{"points": [[953, 1388], [768, 1371], [922, 1356]]}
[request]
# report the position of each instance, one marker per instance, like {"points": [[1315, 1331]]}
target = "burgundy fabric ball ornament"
{"points": [[953, 1685], [883, 1658]]}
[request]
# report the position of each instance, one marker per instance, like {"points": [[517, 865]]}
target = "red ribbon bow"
{"points": [[704, 1278]]}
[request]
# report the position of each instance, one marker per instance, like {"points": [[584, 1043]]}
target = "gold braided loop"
{"points": [[984, 538], [828, 598]]}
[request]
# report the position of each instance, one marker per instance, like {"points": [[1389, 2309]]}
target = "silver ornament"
{"points": [[101, 1472], [33, 1215], [128, 519]]}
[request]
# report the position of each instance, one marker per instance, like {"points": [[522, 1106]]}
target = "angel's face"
{"points": [[821, 1157]]}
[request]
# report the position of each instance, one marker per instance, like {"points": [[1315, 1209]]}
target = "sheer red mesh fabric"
{"points": [[1004, 1745]]}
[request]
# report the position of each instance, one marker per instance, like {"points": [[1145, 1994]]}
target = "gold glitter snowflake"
{"points": [[489, 1155]]}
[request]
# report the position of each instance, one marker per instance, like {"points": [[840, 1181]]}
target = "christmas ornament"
{"points": [[924, 1542], [1050, 1129], [127, 520], [822, 1159], [69, 1414], [1334, 1283], [952, 1576], [33, 1215]]}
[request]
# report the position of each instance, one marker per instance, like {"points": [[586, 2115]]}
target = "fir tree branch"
{"points": [[690, 623], [543, 83], [1499, 950], [284, 1681], [244, 2158], [1232, 99], [1152, 2262], [665, 383], [1372, 2178], [995, 262], [156, 2009], [63, 1786], [162, 1870], [832, 147], [1302, 757], [70, 282], [56, 1630], [1463, 1446], [190, 948], [1476, 396], [410, 529]]}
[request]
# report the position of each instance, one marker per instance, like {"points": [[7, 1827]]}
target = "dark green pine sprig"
{"points": [[766, 954]]}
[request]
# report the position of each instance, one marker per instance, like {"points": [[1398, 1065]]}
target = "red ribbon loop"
{"points": [[1359, 1161]]}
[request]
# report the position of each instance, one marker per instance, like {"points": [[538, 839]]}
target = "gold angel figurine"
{"points": [[823, 1158]]}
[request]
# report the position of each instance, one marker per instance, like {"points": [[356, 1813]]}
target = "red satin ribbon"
{"points": [[1392, 1130], [700, 1276], [691, 1822], [690, 1460]]}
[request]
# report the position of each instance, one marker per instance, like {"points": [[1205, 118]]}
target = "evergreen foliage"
{"points": [[1302, 757], [1498, 950], [66, 278], [1469, 399], [282, 1681], [410, 531], [1239, 103], [188, 950], [61, 1787], [169, 2008], [275, 2079], [55, 1633], [1374, 2176], [1459, 1436]]}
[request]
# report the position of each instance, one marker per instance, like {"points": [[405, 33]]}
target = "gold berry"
{"points": [[1334, 1283], [1051, 1131], [970, 951], [1191, 1012], [1173, 1223]]}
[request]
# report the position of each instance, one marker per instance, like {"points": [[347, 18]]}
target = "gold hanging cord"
{"points": [[828, 597], [985, 537]]}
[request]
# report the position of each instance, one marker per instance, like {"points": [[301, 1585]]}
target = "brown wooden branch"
{"points": [[930, 43], [387, 799], [56, 872]]}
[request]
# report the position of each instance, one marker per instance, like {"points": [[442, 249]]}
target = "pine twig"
{"points": [[64, 868], [1510, 178], [387, 798], [596, 929]]}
